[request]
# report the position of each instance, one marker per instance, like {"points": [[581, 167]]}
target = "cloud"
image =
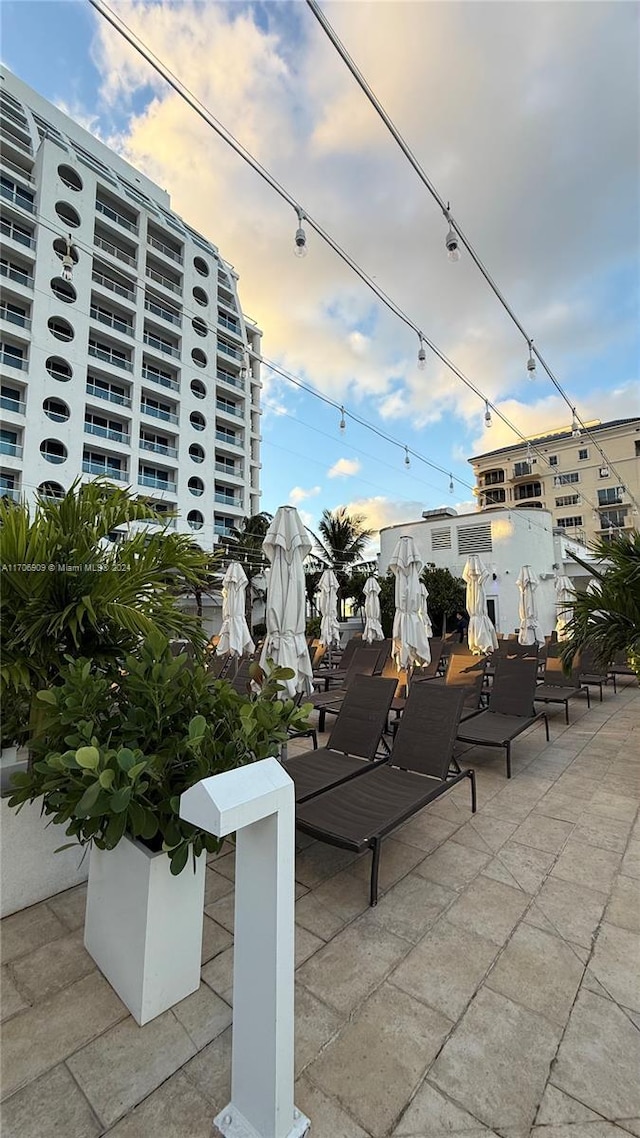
{"points": [[344, 468], [379, 512], [298, 494]]}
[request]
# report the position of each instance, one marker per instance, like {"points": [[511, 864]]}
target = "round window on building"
{"points": [[51, 490], [59, 369], [56, 410], [199, 358], [196, 487], [200, 296], [68, 214], [198, 388], [63, 290], [71, 180], [196, 452], [60, 328], [199, 326], [195, 519], [198, 421], [53, 450], [61, 249], [201, 266]]}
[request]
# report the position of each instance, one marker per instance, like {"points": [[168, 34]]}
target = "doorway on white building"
{"points": [[492, 609]]}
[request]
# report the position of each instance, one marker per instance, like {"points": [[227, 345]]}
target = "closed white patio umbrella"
{"points": [[424, 608], [481, 635], [286, 545], [565, 596], [234, 634], [410, 640], [328, 605], [372, 627], [530, 631]]}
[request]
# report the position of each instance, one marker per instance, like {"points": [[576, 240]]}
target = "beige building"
{"points": [[564, 473]]}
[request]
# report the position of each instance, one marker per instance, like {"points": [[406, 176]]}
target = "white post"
{"points": [[257, 802]]}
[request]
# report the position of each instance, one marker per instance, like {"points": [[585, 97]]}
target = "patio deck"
{"points": [[494, 990]]}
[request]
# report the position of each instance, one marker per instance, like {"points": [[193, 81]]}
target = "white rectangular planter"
{"points": [[143, 926], [31, 870]]}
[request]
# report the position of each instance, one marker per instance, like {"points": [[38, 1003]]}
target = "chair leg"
{"points": [[321, 719], [314, 736], [508, 760], [474, 796], [600, 686], [566, 711], [375, 866], [589, 698]]}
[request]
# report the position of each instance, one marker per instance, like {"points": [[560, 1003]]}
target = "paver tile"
{"points": [[445, 968], [615, 963], [484, 834], [549, 834], [11, 1000], [320, 861], [41, 1037], [214, 939], [453, 865], [623, 909], [527, 867], [328, 1119], [489, 908], [25, 931], [218, 974], [412, 906], [49, 1107], [311, 914], [539, 971], [587, 865], [497, 1061], [210, 1072], [631, 860], [174, 1110], [315, 1024], [430, 1113], [123, 1066], [599, 1058], [216, 885], [204, 1015], [606, 833], [573, 910], [351, 965], [426, 831], [42, 973], [378, 1059], [557, 1107], [70, 906], [614, 805], [396, 860]]}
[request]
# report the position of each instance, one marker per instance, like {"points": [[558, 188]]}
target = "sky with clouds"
{"points": [[524, 116]]}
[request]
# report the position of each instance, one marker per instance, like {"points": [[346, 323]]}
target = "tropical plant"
{"points": [[244, 544], [606, 618], [114, 757], [446, 597], [342, 541], [68, 589]]}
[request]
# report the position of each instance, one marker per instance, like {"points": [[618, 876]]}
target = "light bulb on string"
{"points": [[487, 414], [451, 486], [407, 460], [343, 422], [575, 426], [422, 355], [531, 363], [300, 249], [67, 261], [451, 240]]}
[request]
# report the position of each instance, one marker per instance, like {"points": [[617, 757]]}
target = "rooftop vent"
{"points": [[433, 515]]}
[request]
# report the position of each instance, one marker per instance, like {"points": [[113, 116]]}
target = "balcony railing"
{"points": [[11, 195], [161, 345], [229, 471], [114, 251], [10, 492], [235, 353], [225, 501], [157, 483], [113, 286], [17, 275], [227, 322], [14, 317], [165, 313], [107, 433], [166, 249], [158, 413], [158, 448], [109, 357], [18, 170], [10, 360], [232, 380], [230, 409], [109, 396], [110, 212], [10, 404], [229, 440], [10, 230], [154, 275], [10, 448], [111, 321], [103, 471], [163, 380]]}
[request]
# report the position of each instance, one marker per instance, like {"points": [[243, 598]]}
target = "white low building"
{"points": [[505, 540]]}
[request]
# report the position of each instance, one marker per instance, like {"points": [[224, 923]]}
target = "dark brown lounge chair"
{"points": [[353, 743], [510, 710], [359, 814], [341, 658], [590, 673], [556, 687], [619, 667], [463, 671], [363, 663]]}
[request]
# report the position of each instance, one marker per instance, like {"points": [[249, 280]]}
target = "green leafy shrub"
{"points": [[118, 749]]}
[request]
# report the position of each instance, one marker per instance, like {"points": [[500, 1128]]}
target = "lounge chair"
{"points": [[619, 667], [510, 711], [359, 814], [340, 660], [590, 673], [463, 671], [353, 743], [363, 663], [556, 687]]}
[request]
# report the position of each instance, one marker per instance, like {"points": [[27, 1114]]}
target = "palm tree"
{"points": [[67, 590], [606, 620], [343, 539], [244, 544]]}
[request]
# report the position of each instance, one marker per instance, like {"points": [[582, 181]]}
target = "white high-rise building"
{"points": [[142, 367]]}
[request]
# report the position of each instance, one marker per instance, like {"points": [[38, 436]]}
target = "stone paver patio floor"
{"points": [[494, 990]]}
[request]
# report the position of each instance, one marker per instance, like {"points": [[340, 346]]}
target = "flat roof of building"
{"points": [[556, 436]]}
